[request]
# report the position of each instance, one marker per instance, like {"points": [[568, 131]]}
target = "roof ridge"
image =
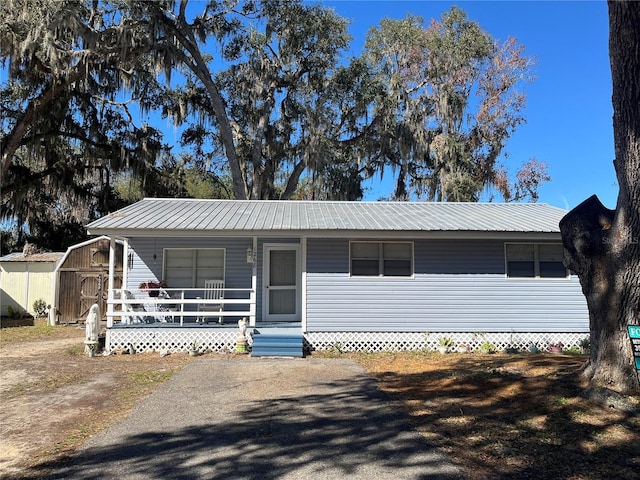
{"points": [[346, 202]]}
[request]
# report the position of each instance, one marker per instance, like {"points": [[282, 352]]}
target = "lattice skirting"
{"points": [[398, 341], [171, 339], [221, 339]]}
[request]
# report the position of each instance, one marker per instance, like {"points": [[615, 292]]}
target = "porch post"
{"points": [[112, 272], [303, 261], [125, 263], [254, 284]]}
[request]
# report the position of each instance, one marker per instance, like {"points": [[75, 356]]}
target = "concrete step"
{"points": [[276, 352], [277, 345], [277, 341], [286, 331]]}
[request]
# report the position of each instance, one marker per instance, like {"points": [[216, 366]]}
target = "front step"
{"points": [[277, 345]]}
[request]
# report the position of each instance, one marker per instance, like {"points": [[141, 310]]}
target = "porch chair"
{"points": [[213, 290], [142, 316], [171, 307]]}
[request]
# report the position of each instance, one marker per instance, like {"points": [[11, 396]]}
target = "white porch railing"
{"points": [[178, 305]]}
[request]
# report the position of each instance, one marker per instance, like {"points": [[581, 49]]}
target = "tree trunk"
{"points": [[603, 246], [192, 59]]}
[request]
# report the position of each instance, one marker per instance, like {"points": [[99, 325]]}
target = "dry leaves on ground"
{"points": [[511, 416]]}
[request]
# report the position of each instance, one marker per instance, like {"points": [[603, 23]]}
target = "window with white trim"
{"points": [[190, 267], [381, 259], [535, 260]]}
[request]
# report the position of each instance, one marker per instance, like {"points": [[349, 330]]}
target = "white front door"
{"points": [[281, 283]]}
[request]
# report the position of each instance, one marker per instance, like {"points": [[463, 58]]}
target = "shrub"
{"points": [[14, 312], [487, 347], [40, 307]]}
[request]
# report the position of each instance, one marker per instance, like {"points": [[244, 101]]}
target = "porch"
{"points": [[174, 319], [182, 307]]}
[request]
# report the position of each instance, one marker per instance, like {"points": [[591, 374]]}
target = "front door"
{"points": [[281, 283]]}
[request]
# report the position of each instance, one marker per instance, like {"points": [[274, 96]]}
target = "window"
{"points": [[99, 256], [388, 259], [189, 268], [535, 260]]}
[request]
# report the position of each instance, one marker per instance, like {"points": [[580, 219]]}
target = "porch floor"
{"points": [[230, 325]]}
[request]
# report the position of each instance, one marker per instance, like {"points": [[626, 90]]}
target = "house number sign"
{"points": [[634, 336]]}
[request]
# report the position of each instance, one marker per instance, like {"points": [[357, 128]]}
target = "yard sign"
{"points": [[634, 336]]}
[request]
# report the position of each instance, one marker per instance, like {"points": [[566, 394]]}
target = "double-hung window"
{"points": [[190, 267], [535, 260], [381, 259]]}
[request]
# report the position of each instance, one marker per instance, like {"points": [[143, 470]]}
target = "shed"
{"points": [[25, 278], [81, 279]]}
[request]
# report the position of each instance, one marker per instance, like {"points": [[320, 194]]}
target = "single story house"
{"points": [[347, 275]]}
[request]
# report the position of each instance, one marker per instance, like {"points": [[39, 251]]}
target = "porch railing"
{"points": [[179, 305]]}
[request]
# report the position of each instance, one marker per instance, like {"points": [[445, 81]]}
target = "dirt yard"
{"points": [[496, 416], [54, 396]]}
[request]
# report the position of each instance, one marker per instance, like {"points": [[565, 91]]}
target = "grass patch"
{"points": [[45, 385], [142, 382], [16, 389], [75, 350], [40, 331], [48, 366]]}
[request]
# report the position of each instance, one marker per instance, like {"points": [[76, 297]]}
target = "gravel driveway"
{"points": [[251, 418]]}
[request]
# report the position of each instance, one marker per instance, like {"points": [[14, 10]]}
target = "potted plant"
{"points": [[41, 308], [445, 344], [194, 348], [152, 287], [556, 347], [533, 348]]}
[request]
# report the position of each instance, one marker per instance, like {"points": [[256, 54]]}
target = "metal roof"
{"points": [[34, 257], [195, 216]]}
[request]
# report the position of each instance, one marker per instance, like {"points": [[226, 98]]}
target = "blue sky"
{"points": [[569, 112]]}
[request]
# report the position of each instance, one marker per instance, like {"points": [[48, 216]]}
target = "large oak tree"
{"points": [[452, 97], [263, 94], [603, 246], [261, 106], [66, 127]]}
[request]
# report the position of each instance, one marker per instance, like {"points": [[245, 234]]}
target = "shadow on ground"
{"points": [[336, 429], [518, 417]]}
